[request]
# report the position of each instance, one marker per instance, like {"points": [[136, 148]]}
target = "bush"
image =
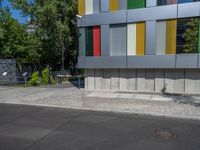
{"points": [[35, 79], [45, 77]]}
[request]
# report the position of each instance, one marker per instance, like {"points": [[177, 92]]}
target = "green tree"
{"points": [[191, 36], [55, 22], [1, 29], [15, 42]]}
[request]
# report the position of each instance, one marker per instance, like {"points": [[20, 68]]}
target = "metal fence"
{"points": [[7, 71], [10, 74]]}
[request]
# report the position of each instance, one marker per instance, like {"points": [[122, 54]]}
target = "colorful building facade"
{"points": [[140, 45]]}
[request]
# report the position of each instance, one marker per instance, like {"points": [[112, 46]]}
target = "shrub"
{"points": [[45, 77], [35, 79]]}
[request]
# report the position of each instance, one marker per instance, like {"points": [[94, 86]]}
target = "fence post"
{"points": [[25, 80], [79, 82]]}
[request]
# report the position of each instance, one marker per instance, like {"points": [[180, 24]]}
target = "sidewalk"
{"points": [[187, 107]]}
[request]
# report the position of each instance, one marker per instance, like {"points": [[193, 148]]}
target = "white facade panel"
{"points": [[160, 37], [89, 7], [131, 39]]}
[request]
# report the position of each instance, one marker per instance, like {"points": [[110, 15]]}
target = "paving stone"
{"points": [[74, 98]]}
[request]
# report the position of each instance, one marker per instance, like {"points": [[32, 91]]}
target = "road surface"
{"points": [[44, 128]]}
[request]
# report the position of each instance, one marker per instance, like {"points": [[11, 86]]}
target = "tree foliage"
{"points": [[54, 23], [15, 42], [55, 26], [191, 36]]}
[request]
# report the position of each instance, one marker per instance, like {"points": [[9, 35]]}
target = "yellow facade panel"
{"points": [[81, 7], [140, 38], [114, 5], [171, 36]]}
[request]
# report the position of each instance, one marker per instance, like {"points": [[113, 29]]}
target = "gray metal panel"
{"points": [[135, 15], [103, 18], [113, 17], [152, 13], [161, 61], [122, 4], [106, 62], [118, 42], [188, 10], [105, 40], [96, 6], [80, 21], [105, 5], [81, 62], [93, 19], [186, 61], [81, 41], [151, 3], [150, 37]]}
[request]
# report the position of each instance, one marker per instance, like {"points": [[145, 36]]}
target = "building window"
{"points": [[166, 37], [186, 1], [188, 35], [118, 40], [134, 4], [166, 2], [93, 41], [136, 38], [89, 41]]}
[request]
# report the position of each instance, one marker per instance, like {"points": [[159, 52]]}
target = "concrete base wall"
{"points": [[144, 80]]}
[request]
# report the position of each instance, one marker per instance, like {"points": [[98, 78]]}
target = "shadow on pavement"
{"points": [[182, 99]]}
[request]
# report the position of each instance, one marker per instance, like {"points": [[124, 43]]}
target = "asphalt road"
{"points": [[42, 128]]}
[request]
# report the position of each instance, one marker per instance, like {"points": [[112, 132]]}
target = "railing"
{"points": [[60, 78], [12, 80]]}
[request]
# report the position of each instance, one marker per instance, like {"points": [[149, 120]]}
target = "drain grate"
{"points": [[164, 134]]}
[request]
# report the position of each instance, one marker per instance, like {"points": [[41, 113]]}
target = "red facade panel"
{"points": [[171, 1], [96, 41]]}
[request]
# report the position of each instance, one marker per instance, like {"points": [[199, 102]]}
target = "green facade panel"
{"points": [[89, 41], [134, 4]]}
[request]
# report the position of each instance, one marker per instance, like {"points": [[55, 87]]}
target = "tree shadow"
{"points": [[193, 100]]}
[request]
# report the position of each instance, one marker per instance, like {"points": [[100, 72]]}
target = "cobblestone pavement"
{"points": [[68, 96]]}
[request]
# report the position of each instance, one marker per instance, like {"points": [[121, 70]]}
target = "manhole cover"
{"points": [[164, 134]]}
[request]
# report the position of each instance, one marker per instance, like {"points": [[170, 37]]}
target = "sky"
{"points": [[15, 13]]}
